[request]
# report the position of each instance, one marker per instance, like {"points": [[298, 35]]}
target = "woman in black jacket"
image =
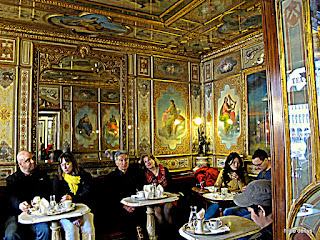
{"points": [[73, 183]]}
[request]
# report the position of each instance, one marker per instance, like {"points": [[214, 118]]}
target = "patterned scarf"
{"points": [[73, 182], [161, 179]]}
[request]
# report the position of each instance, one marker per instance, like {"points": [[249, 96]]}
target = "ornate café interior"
{"points": [[176, 119]]}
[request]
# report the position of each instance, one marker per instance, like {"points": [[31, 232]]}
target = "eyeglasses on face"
{"points": [[66, 164], [258, 165]]}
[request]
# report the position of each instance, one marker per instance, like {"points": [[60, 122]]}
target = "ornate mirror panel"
{"points": [[81, 101]]}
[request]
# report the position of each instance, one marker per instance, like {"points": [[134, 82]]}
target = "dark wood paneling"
{"points": [[276, 118]]}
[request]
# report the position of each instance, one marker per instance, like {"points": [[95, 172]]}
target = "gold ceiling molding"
{"points": [[184, 11], [170, 8], [127, 47], [247, 40], [102, 12]]}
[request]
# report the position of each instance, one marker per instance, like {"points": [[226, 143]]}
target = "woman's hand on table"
{"points": [[66, 197], [129, 209], [78, 222], [24, 206]]}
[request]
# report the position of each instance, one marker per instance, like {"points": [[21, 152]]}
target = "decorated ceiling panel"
{"points": [[185, 27]]}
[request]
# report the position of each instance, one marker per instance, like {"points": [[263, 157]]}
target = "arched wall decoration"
{"points": [[46, 59]]}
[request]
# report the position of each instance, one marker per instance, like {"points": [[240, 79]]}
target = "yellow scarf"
{"points": [[72, 181]]}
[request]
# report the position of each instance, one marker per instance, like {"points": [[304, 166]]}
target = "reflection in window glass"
{"points": [[297, 94], [299, 122]]}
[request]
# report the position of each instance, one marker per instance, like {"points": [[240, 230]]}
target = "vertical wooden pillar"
{"points": [[277, 126]]}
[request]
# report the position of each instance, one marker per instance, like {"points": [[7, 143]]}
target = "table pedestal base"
{"points": [[55, 227], [151, 224]]}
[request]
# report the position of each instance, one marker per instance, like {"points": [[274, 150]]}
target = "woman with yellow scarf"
{"points": [[73, 183]]}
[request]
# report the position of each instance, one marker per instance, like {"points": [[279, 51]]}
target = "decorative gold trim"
{"points": [[168, 81], [171, 8], [183, 11], [112, 45], [236, 45]]}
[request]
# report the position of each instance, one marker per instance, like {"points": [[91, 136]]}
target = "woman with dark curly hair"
{"points": [[233, 176]]}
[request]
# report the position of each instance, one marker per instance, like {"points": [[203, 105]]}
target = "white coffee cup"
{"points": [[67, 203], [140, 194], [214, 223], [224, 191]]}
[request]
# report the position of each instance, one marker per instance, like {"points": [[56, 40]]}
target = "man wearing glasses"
{"points": [[22, 186], [263, 164]]}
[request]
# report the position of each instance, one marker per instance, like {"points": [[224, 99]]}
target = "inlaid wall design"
{"points": [[195, 112], [7, 112], [194, 72], [179, 163], [144, 119], [143, 66], [131, 110], [7, 50], [24, 113], [209, 115]]}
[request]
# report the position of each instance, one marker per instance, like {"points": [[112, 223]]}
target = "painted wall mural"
{"points": [[85, 126], [229, 117], [49, 97], [253, 55], [171, 118], [110, 126]]}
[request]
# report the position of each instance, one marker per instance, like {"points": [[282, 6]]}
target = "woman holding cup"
{"points": [[232, 177], [74, 184]]}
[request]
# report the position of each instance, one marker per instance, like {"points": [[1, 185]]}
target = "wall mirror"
{"points": [[81, 101]]}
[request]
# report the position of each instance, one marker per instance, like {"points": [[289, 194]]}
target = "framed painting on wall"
{"points": [[49, 97], [171, 113], [229, 117], [110, 130], [257, 111], [85, 127], [5, 171]]}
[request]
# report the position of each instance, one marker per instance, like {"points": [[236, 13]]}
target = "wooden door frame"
{"points": [[277, 126]]}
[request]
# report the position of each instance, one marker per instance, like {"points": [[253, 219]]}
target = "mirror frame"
{"points": [[47, 55]]}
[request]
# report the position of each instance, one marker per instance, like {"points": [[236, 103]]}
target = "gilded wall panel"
{"points": [[144, 117], [24, 113], [195, 112], [131, 116], [169, 69], [7, 50], [5, 171], [194, 72], [66, 124], [177, 164], [208, 71], [229, 116], [25, 55], [171, 118], [208, 115], [7, 110], [143, 66]]}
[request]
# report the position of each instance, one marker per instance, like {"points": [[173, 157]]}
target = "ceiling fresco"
{"points": [[185, 27]]}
